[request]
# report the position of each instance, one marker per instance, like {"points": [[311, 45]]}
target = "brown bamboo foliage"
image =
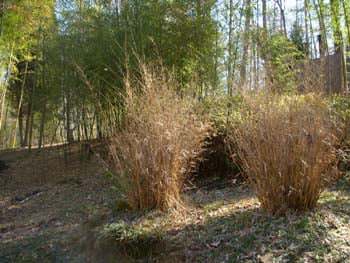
{"points": [[287, 148]]}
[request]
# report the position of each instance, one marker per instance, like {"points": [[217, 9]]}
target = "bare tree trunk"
{"points": [[283, 16], [29, 114], [337, 34], [256, 46], [98, 126], [42, 125], [266, 57], [3, 131], [306, 10], [314, 44], [30, 137], [54, 135], [69, 133], [264, 14], [235, 58], [19, 119], [3, 97], [216, 63], [86, 133], [230, 50], [246, 42], [20, 128], [319, 6]]}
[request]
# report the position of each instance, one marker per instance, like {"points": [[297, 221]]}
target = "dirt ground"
{"points": [[46, 198], [55, 203]]}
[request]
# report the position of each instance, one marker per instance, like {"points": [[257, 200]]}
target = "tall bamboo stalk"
{"points": [[20, 106], [3, 97]]}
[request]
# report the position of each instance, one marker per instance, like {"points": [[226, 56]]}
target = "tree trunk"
{"points": [[264, 38], [3, 131], [319, 6], [20, 111], [42, 125], [69, 133], [29, 113], [306, 10], [20, 128], [314, 44], [283, 17], [337, 34], [3, 97], [85, 129], [30, 136], [98, 126], [230, 50], [246, 42], [346, 8], [264, 14]]}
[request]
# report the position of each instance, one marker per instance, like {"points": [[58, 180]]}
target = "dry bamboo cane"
{"points": [[19, 106]]}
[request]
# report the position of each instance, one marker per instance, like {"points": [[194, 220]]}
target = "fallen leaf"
{"points": [[215, 243], [267, 258]]}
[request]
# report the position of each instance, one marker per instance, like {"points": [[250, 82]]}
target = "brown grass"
{"points": [[286, 145], [153, 151]]}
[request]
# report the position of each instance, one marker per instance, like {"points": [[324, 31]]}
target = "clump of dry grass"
{"points": [[286, 145], [152, 153]]}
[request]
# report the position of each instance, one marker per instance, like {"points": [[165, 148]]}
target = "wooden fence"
{"points": [[330, 73], [347, 59]]}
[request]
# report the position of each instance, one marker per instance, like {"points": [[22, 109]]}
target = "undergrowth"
{"points": [[287, 146], [156, 148]]}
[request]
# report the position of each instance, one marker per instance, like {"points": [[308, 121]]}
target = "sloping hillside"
{"points": [[54, 210]]}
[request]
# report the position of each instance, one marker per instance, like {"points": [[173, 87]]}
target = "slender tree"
{"points": [[246, 42]]}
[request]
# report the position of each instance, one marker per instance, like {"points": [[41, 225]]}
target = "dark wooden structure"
{"points": [[329, 73], [333, 70], [347, 61]]}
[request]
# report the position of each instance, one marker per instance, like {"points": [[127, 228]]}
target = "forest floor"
{"points": [[58, 207]]}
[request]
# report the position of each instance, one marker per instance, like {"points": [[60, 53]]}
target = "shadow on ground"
{"points": [[72, 220], [228, 226]]}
